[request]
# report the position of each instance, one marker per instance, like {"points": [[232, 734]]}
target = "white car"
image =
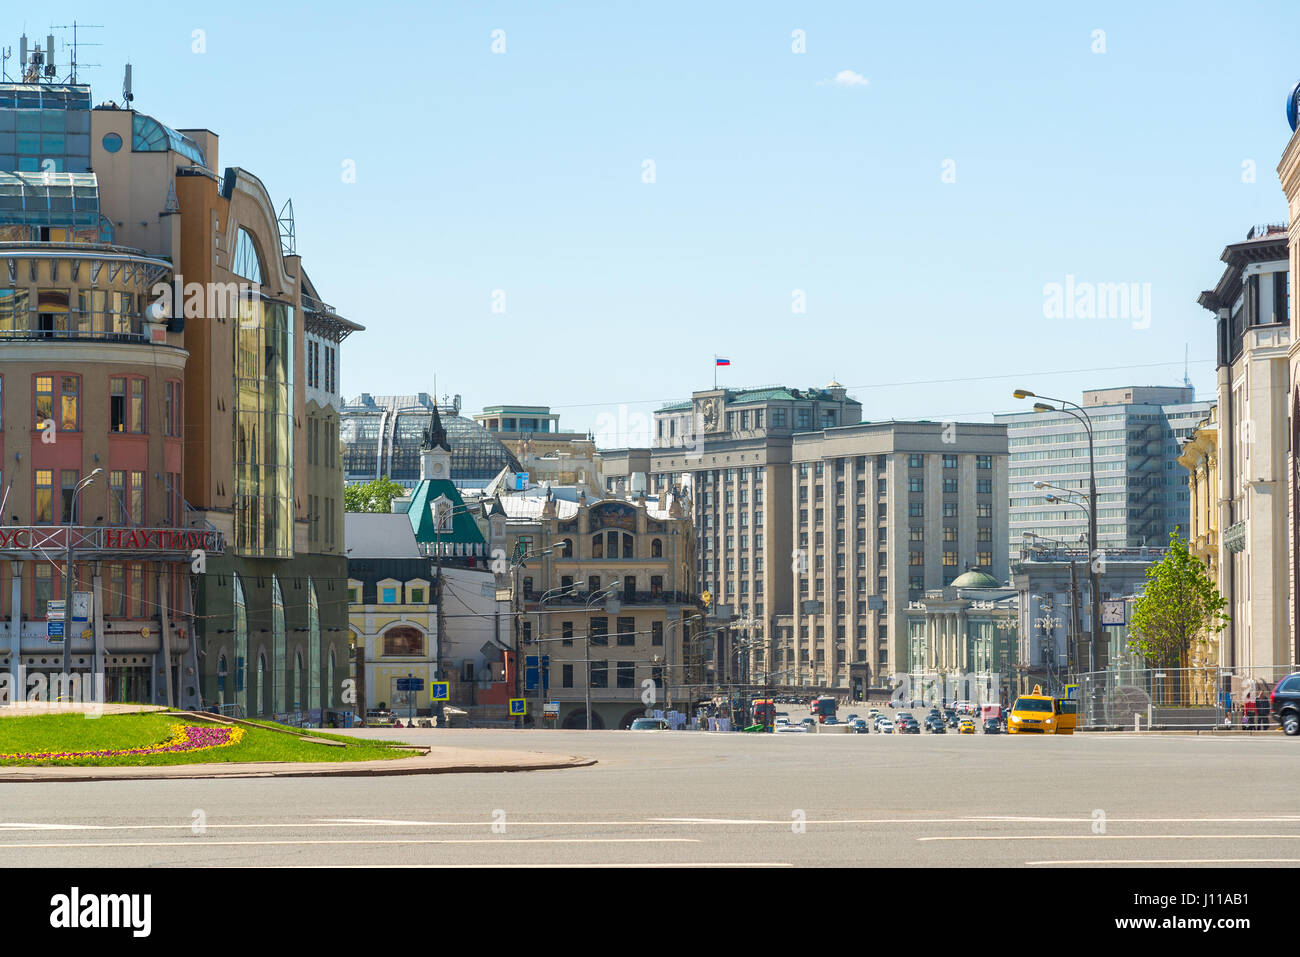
{"points": [[782, 721], [884, 726], [788, 728]]}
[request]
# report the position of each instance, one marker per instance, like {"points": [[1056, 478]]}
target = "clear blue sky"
{"points": [[522, 172]]}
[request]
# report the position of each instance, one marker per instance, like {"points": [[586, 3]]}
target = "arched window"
{"points": [[566, 547], [279, 657], [241, 646], [329, 688], [264, 686], [247, 260], [403, 641], [299, 699], [598, 545], [656, 548], [309, 698]]}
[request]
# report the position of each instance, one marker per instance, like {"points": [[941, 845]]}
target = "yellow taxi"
{"points": [[1040, 713], [966, 726]]}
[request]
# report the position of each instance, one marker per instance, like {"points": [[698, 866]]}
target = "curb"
{"points": [[25, 775]]}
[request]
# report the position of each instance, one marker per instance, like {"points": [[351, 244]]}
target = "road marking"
{"points": [[1118, 837], [199, 842], [1184, 860], [637, 864], [1284, 819]]}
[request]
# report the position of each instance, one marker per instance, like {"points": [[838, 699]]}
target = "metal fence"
{"points": [[1205, 698]]}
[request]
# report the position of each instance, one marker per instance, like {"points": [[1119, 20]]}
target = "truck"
{"points": [[823, 707], [764, 712]]}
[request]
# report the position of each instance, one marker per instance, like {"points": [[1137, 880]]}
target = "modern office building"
{"points": [[1255, 465], [881, 513], [162, 314], [382, 436], [1141, 493]]}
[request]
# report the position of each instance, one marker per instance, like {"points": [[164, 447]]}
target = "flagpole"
{"points": [[715, 372]]}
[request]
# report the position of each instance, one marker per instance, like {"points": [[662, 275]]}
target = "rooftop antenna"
{"points": [[127, 95], [74, 26], [1187, 379], [5, 56]]}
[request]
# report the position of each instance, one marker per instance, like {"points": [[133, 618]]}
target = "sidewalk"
{"points": [[437, 761]]}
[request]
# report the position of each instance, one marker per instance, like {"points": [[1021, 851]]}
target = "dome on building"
{"points": [[383, 436], [976, 579]]}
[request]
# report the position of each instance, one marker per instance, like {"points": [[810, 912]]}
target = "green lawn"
{"points": [[73, 732]]}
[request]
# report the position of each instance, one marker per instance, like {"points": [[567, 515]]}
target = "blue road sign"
{"points": [[410, 684], [439, 690], [518, 706]]}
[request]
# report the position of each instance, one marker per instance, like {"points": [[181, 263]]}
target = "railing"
{"points": [[1206, 697], [95, 335]]}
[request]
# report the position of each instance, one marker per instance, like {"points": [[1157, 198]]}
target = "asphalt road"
{"points": [[698, 799]]}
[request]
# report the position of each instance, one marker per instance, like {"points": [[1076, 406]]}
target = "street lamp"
{"points": [[67, 579], [1076, 412], [603, 595]]}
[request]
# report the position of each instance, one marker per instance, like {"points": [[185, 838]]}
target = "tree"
{"points": [[373, 496], [1179, 606]]}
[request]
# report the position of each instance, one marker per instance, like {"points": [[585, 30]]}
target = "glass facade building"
{"points": [[1141, 491], [263, 499]]}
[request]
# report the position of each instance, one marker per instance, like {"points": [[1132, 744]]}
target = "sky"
{"points": [[580, 204]]}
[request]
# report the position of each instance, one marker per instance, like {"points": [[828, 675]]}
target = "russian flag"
{"points": [[721, 362]]}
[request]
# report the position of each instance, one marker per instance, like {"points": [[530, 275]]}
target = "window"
{"points": [[656, 633], [950, 486], [950, 559], [984, 535], [137, 498], [388, 595], [626, 631], [417, 596], [137, 406], [593, 584], [43, 511], [566, 676], [600, 631], [172, 408], [778, 418], [950, 533], [805, 419], [984, 461], [916, 583], [67, 485], [916, 485], [984, 486], [126, 396], [915, 461], [627, 674], [566, 633], [43, 588], [403, 641], [983, 510], [117, 497], [916, 510], [984, 559], [950, 461], [916, 558], [949, 509], [600, 674], [880, 485]]}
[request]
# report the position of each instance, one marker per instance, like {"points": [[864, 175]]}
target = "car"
{"points": [[951, 717], [851, 718], [1039, 713], [873, 714], [809, 723], [649, 724], [934, 724], [992, 726], [1284, 703], [904, 716], [831, 720], [790, 729], [909, 727], [859, 726], [966, 726], [782, 721], [884, 725]]}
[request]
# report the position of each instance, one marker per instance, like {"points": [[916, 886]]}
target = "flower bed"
{"points": [[183, 738]]}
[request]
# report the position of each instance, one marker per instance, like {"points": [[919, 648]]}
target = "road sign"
{"points": [[410, 684], [518, 706], [551, 709], [439, 691], [54, 629]]}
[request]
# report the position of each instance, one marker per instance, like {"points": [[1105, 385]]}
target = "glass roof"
{"points": [[150, 136], [49, 199], [476, 454], [44, 96]]}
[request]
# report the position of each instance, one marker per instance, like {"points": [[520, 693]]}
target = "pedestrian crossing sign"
{"points": [[518, 706], [439, 690]]}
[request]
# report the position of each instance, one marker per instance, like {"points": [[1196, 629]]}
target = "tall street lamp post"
{"points": [[67, 577], [1076, 412]]}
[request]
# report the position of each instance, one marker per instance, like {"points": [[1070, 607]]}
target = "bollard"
{"points": [[1137, 720]]}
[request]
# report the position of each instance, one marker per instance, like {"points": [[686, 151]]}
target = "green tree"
{"points": [[373, 496], [1180, 605]]}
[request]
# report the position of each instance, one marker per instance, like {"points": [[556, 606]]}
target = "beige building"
{"points": [[1252, 305], [883, 513], [622, 573], [1289, 173]]}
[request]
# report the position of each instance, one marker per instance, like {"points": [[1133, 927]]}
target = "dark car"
{"points": [[809, 723], [859, 726], [909, 727], [992, 726], [934, 724], [950, 716], [1284, 703]]}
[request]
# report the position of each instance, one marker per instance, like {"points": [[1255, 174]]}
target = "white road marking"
{"points": [[200, 842], [1118, 837], [1183, 860], [637, 864]]}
